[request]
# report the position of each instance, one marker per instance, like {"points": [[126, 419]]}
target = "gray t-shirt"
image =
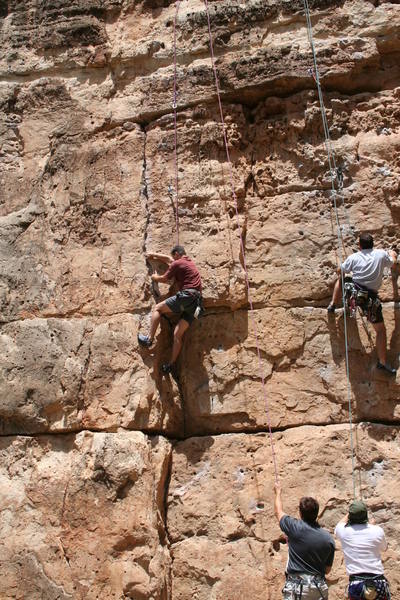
{"points": [[367, 267], [311, 548]]}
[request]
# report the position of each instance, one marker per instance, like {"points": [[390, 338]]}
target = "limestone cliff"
{"points": [[117, 482]]}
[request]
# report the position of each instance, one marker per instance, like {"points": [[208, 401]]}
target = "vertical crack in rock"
{"points": [[182, 401], [165, 498], [81, 391], [161, 457], [64, 551], [144, 195], [167, 485], [167, 541], [144, 191]]}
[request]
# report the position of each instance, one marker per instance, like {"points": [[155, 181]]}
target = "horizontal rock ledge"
{"points": [[72, 374]]}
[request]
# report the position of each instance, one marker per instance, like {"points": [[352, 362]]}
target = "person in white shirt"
{"points": [[367, 266], [362, 543]]}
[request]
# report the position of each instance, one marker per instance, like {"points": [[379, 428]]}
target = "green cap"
{"points": [[358, 512]]}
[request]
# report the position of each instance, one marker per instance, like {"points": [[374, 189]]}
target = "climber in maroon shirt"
{"points": [[187, 302]]}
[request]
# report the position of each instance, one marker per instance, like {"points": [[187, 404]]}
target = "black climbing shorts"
{"points": [[377, 316], [185, 304], [372, 308]]}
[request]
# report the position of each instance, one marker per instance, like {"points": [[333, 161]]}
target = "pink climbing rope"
{"points": [[176, 130], [255, 329]]}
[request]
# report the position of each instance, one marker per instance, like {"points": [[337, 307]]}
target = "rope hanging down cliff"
{"points": [[174, 104], [335, 180], [255, 329]]}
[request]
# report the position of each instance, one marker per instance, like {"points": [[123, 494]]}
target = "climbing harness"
{"points": [[357, 296], [197, 301], [352, 297], [246, 275], [368, 587], [336, 186], [304, 581]]}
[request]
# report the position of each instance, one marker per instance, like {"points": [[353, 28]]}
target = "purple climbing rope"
{"points": [[176, 130], [255, 329]]}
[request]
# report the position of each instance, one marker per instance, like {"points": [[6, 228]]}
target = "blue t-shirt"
{"points": [[311, 548]]}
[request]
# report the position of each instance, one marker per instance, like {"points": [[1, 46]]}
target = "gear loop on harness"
{"points": [[299, 581], [366, 300]]}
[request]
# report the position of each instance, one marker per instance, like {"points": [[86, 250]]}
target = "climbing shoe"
{"points": [[331, 308], [386, 368], [166, 368], [144, 340]]}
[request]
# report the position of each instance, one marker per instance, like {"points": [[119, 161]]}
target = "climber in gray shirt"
{"points": [[311, 551], [367, 267]]}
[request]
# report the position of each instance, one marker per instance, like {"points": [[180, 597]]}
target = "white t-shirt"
{"points": [[367, 267], [362, 546]]}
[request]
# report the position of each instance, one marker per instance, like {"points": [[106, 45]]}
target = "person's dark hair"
{"points": [[309, 509], [179, 249], [366, 241]]}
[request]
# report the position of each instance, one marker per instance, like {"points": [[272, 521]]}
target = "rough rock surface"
{"points": [[83, 516], [72, 374], [225, 541], [88, 424], [303, 361]]}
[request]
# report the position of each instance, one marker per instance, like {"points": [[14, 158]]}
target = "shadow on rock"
{"points": [[214, 368], [372, 391]]}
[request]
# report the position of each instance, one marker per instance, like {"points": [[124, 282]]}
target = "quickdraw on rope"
{"points": [[336, 172], [174, 105], [335, 176], [256, 335]]}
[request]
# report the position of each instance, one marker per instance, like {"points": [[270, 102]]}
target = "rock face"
{"points": [[225, 539], [71, 374], [118, 482], [83, 516]]}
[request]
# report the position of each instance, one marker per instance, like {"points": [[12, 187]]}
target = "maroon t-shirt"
{"points": [[185, 273]]}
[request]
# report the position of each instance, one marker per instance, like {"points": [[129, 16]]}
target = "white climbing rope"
{"points": [[335, 180]]}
